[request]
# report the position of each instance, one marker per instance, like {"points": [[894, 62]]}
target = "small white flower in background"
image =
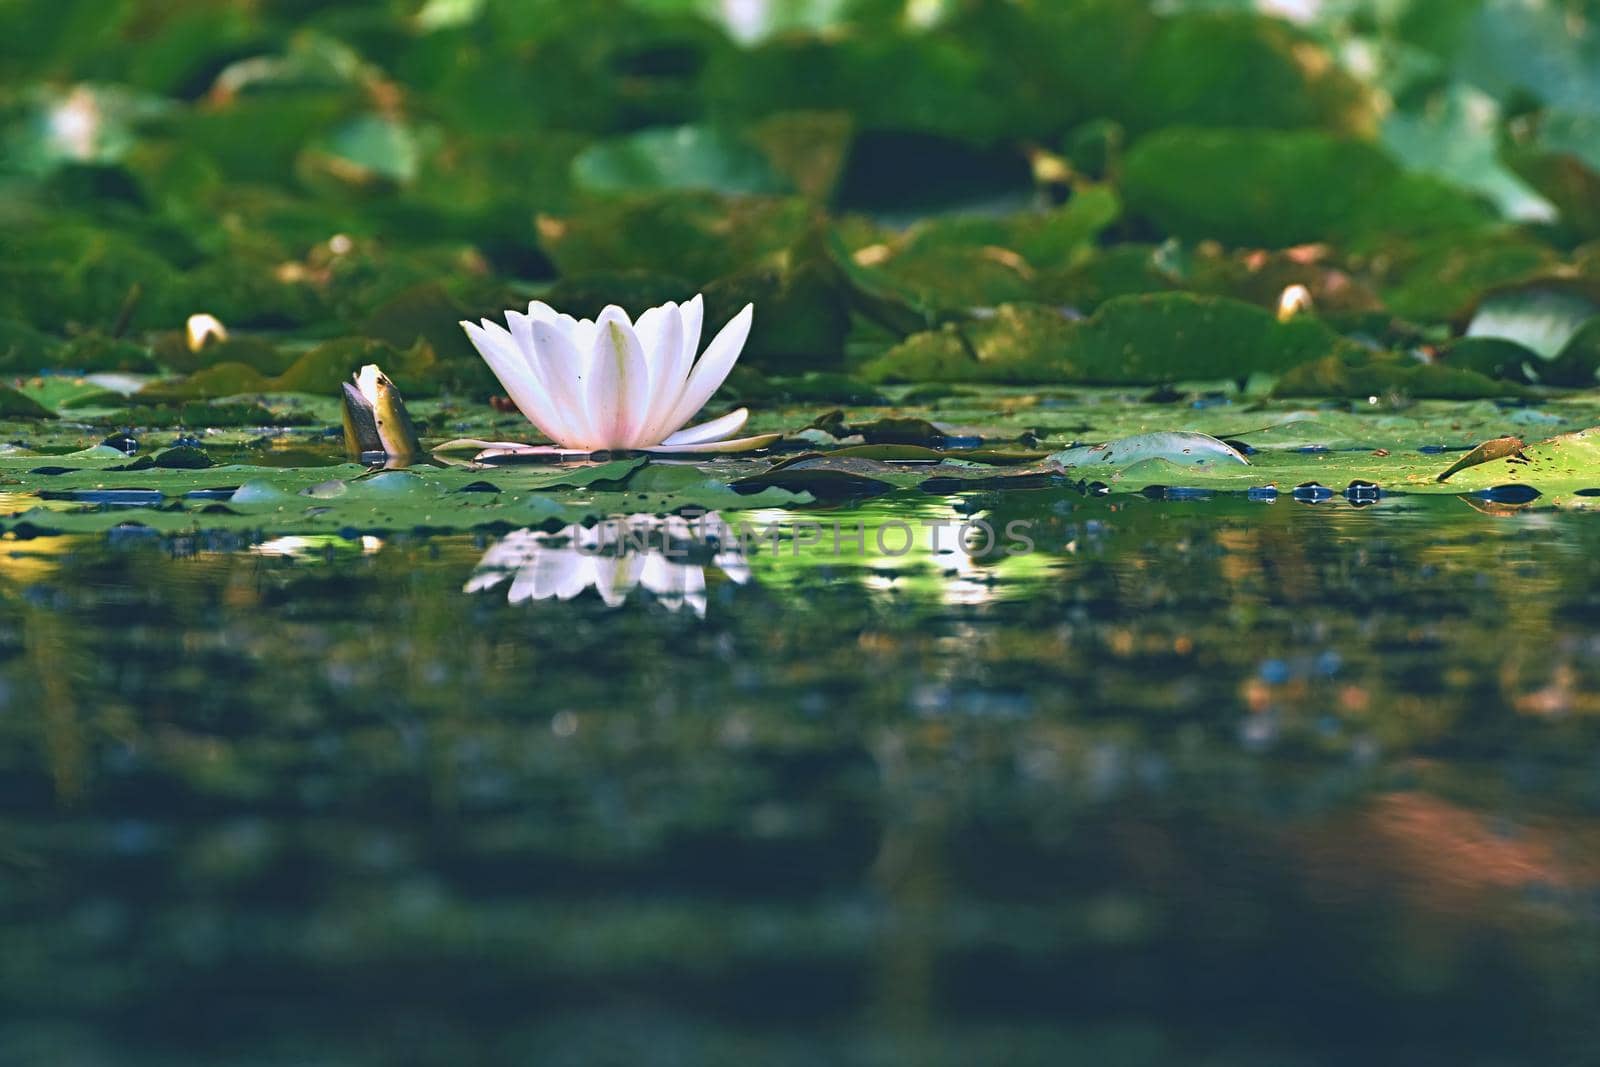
{"points": [[667, 557], [201, 329], [1298, 11], [605, 384], [1294, 300], [75, 124]]}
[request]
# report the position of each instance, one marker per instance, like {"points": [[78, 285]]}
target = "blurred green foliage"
{"points": [[368, 172]]}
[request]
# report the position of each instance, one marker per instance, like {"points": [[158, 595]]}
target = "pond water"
{"points": [[1213, 781]]}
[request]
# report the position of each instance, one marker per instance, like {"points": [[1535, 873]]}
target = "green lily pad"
{"points": [[19, 405], [1543, 319], [1444, 276], [698, 236], [1363, 373], [683, 157], [1183, 448], [23, 348], [1271, 188], [1564, 469], [1455, 135], [1132, 339], [348, 497]]}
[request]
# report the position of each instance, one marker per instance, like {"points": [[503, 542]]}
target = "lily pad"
{"points": [[1132, 339], [15, 404], [1376, 374], [1179, 447], [1543, 319], [683, 157], [1281, 188], [348, 497], [1564, 469]]}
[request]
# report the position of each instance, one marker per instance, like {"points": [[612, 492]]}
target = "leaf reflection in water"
{"points": [[667, 557]]}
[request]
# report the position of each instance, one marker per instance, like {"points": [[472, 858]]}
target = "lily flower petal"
{"points": [[560, 367], [669, 371], [715, 430], [556, 424], [522, 332], [539, 310], [738, 444], [694, 313], [582, 333], [647, 327], [611, 383], [617, 393], [712, 368], [520, 383]]}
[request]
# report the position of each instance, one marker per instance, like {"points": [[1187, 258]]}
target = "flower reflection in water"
{"points": [[317, 546], [666, 557]]}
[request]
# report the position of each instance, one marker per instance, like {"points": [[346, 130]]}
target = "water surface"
{"points": [[1215, 782]]}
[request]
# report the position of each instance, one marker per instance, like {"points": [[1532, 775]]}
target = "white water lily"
{"points": [[604, 384], [667, 557]]}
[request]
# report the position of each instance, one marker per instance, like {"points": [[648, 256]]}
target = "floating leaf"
{"points": [[1543, 319], [683, 157], [1380, 374], [1564, 469], [18, 405], [1283, 188], [346, 496], [698, 236], [1499, 448], [1455, 135], [1132, 339], [1179, 447]]}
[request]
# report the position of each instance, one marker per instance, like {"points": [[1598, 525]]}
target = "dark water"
{"points": [[1207, 782]]}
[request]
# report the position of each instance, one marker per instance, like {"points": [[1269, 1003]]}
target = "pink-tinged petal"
{"points": [[712, 368], [694, 313], [715, 430], [668, 373], [740, 444], [660, 333], [618, 389], [582, 333], [544, 413], [522, 332], [529, 452], [539, 311], [647, 328], [519, 380], [508, 448], [560, 369]]}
